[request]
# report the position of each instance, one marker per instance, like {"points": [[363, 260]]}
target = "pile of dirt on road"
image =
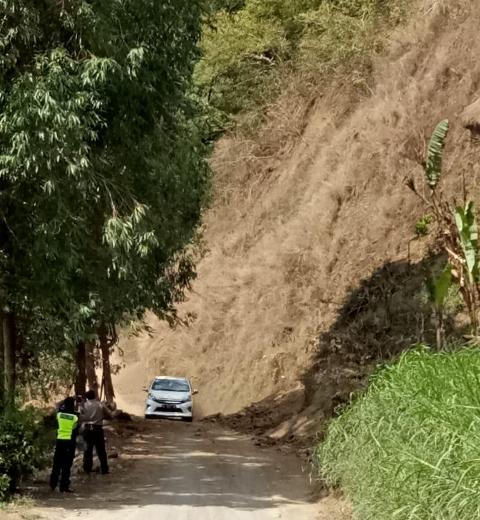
{"points": [[311, 275], [296, 417], [259, 418]]}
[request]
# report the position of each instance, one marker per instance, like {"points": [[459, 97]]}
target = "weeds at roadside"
{"points": [[408, 448], [20, 507]]}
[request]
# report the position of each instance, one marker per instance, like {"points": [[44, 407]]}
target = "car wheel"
{"points": [[187, 419], [148, 416]]}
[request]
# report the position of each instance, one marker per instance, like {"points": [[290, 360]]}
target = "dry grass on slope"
{"points": [[310, 222]]}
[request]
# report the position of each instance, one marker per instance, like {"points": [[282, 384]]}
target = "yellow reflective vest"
{"points": [[66, 424]]}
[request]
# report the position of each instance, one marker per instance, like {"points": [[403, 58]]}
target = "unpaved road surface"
{"points": [[181, 471]]}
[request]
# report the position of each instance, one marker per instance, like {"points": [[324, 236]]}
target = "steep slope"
{"points": [[291, 237]]}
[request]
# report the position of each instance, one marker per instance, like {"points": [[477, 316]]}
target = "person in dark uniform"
{"points": [[91, 417], [67, 422]]}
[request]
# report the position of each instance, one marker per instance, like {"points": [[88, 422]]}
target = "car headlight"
{"points": [[186, 400], [151, 396]]}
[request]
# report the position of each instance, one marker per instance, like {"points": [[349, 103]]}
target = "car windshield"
{"points": [[171, 385]]}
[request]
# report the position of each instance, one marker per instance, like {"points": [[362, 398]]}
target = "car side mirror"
{"points": [[195, 392], [145, 389]]}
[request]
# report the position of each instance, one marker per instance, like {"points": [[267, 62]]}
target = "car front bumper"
{"points": [[152, 408]]}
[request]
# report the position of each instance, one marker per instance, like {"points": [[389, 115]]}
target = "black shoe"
{"points": [[68, 490], [105, 472]]}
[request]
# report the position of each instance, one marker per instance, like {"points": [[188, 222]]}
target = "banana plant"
{"points": [[437, 295], [457, 231], [433, 166], [468, 272], [466, 222]]}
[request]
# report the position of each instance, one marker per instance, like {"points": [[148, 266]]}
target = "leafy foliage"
{"points": [[438, 291], [45, 373], [466, 221], [23, 447], [439, 287], [227, 5], [103, 172], [250, 52], [417, 425], [422, 225], [433, 167], [457, 228]]}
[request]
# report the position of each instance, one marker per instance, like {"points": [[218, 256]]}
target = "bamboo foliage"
{"points": [[102, 164]]}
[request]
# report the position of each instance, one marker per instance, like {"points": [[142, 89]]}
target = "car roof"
{"points": [[171, 377]]}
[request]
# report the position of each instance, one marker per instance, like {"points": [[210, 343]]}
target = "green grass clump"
{"points": [[409, 448]]}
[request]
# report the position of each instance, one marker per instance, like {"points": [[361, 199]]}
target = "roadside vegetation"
{"points": [[408, 448], [24, 447], [103, 178], [253, 51]]}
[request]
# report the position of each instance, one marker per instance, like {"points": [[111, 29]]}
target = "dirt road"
{"points": [[193, 472]]}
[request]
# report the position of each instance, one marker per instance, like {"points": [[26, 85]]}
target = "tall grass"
{"points": [[409, 448]]}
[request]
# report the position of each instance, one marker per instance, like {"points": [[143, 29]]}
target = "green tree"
{"points": [[102, 164]]}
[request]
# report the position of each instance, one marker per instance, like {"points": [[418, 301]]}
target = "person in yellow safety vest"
{"points": [[64, 454]]}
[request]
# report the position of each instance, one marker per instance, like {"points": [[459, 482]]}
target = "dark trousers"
{"points": [[94, 438], [62, 464]]}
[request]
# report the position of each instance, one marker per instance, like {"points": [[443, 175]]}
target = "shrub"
{"points": [[252, 49], [409, 447], [240, 53], [23, 447], [332, 36]]}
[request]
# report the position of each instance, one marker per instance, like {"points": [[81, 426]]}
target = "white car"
{"points": [[170, 397]]}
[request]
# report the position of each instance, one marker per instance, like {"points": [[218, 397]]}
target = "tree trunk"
{"points": [[80, 375], [9, 355], [106, 368], [92, 378]]}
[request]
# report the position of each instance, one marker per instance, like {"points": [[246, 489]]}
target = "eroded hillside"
{"points": [[308, 277]]}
